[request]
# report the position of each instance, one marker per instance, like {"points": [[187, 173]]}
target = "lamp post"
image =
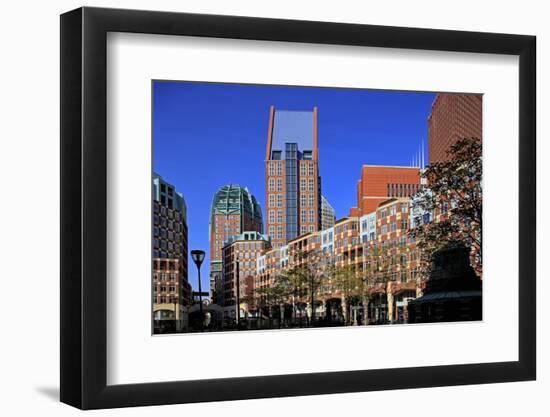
{"points": [[238, 279], [198, 256]]}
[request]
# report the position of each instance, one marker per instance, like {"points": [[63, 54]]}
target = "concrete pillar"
{"points": [[308, 310], [345, 309], [418, 289], [389, 294]]}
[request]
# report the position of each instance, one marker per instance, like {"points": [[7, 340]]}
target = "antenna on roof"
{"points": [[422, 154]]}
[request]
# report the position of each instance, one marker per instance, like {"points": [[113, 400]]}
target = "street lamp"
{"points": [[198, 256]]}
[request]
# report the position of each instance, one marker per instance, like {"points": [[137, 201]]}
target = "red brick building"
{"points": [[378, 183], [240, 255], [453, 117]]}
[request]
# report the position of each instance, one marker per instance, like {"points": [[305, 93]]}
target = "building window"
{"points": [[392, 209], [404, 207], [311, 185], [384, 229], [404, 224], [393, 226]]}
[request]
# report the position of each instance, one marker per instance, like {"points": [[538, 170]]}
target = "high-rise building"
{"points": [[171, 290], [378, 183], [234, 210], [293, 184], [327, 214], [453, 117]]}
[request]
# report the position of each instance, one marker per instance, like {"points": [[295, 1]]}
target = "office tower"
{"points": [[171, 290], [293, 184]]}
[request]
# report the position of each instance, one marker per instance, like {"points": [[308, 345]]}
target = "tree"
{"points": [[314, 266], [293, 281], [353, 286], [453, 197], [270, 297]]}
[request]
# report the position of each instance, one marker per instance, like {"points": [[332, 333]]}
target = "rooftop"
{"points": [[293, 126]]}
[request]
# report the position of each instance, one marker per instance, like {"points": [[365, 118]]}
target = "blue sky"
{"points": [[206, 135]]}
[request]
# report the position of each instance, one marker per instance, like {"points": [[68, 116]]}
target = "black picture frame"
{"points": [[84, 208]]}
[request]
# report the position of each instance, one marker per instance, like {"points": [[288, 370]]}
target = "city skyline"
{"points": [[223, 128]]}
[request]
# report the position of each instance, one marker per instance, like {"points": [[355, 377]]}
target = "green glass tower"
{"points": [[234, 210]]}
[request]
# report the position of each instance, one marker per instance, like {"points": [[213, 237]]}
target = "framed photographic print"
{"points": [[258, 208]]}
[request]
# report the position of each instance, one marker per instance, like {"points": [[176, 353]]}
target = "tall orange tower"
{"points": [[293, 184]]}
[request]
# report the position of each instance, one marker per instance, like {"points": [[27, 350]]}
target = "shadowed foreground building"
{"points": [[171, 290], [234, 210], [453, 290]]}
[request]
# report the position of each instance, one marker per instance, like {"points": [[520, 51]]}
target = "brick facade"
{"points": [[378, 183], [453, 117]]}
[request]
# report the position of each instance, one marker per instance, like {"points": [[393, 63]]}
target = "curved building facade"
{"points": [[234, 210]]}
